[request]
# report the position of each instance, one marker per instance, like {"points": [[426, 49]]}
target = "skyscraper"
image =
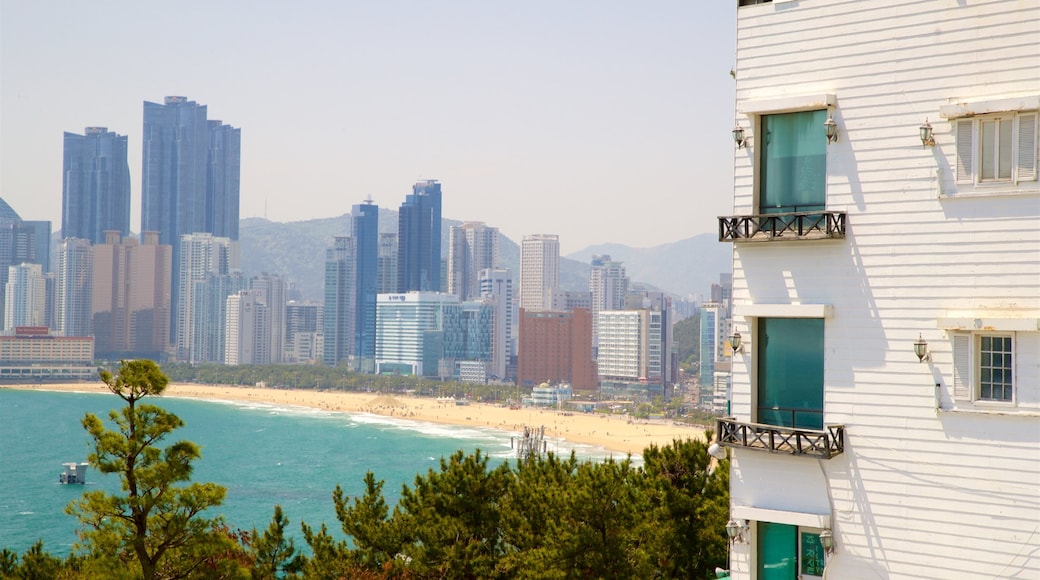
{"points": [[26, 297], [270, 291], [75, 278], [472, 247], [339, 309], [201, 255], [189, 178], [21, 241], [497, 286], [419, 239], [608, 285], [248, 326], [366, 280], [95, 193], [387, 267], [539, 271]]}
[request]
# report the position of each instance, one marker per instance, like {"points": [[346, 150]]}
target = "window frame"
{"points": [[968, 134], [799, 530], [967, 369]]}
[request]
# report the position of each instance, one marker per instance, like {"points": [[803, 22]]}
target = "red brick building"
{"points": [[556, 347]]}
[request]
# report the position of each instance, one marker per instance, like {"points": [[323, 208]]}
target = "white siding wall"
{"points": [[919, 492]]}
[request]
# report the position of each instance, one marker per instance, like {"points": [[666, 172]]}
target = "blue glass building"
{"points": [[366, 270], [419, 239], [95, 192]]}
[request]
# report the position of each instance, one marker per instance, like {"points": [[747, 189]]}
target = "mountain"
{"points": [[686, 267], [297, 250]]}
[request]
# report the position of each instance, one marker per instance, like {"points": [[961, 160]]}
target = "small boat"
{"points": [[74, 473]]}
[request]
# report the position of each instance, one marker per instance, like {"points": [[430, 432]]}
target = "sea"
{"points": [[263, 454]]}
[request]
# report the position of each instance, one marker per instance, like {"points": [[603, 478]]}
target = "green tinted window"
{"points": [[790, 375], [777, 551], [793, 159]]}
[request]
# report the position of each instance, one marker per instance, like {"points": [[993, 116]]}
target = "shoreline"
{"points": [[615, 433]]}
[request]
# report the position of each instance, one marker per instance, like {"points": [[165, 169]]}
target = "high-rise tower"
{"points": [[419, 239], [539, 271], [608, 285], [95, 193], [472, 247], [189, 177], [366, 278], [75, 277], [339, 311]]}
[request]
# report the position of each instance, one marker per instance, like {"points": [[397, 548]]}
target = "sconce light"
{"points": [[921, 349], [737, 530], [926, 135], [830, 128], [717, 451], [736, 341], [739, 138], [827, 541]]}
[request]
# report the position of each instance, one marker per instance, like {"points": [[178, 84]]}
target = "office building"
{"points": [[472, 247], [556, 347], [409, 332], [714, 346], [467, 329], [630, 359], [95, 193], [886, 386], [190, 178], [22, 242], [75, 281], [25, 301], [130, 297], [539, 271], [419, 239]]}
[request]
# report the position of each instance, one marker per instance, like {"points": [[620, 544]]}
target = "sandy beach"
{"points": [[614, 433]]}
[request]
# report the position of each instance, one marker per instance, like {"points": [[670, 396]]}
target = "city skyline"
{"points": [[529, 115]]}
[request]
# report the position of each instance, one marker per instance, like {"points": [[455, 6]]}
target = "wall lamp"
{"points": [[827, 541], [921, 349], [926, 134], [739, 138], [830, 129], [737, 531], [737, 342]]}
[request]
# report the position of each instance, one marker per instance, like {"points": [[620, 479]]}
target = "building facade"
{"points": [[270, 290], [886, 257], [608, 286], [248, 323], [303, 324], [419, 239], [202, 257], [556, 347], [130, 297], [409, 332], [189, 178], [496, 285], [386, 268], [25, 301], [74, 286], [339, 307], [33, 354], [472, 247], [365, 236], [539, 271], [95, 192]]}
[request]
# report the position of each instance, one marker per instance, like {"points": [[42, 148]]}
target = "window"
{"points": [[787, 552], [793, 162], [790, 372], [999, 148], [984, 367]]}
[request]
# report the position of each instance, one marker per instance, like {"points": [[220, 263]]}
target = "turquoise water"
{"points": [[263, 454]]}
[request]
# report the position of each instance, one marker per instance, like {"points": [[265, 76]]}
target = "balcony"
{"points": [[798, 225], [823, 444]]}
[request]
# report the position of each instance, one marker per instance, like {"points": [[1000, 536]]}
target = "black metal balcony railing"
{"points": [[824, 443], [799, 225]]}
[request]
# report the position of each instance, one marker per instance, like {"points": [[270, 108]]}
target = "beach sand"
{"points": [[612, 432]]}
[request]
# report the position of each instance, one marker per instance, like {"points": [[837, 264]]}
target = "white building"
{"points": [[407, 331], [912, 231], [25, 298], [248, 329], [497, 285], [75, 278], [539, 271], [201, 255], [608, 286]]}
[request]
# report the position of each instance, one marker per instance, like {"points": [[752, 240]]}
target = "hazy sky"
{"points": [[600, 121]]}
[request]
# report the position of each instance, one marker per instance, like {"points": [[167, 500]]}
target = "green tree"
{"points": [[690, 495], [274, 555], [155, 523]]}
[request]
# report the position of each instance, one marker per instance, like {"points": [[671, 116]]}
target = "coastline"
{"points": [[611, 432]]}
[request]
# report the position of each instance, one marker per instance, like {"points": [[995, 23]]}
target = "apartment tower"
{"points": [[95, 193]]}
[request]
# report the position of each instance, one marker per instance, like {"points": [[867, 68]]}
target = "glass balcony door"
{"points": [[790, 372]]}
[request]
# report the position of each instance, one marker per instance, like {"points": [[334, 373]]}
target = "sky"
{"points": [[597, 120]]}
